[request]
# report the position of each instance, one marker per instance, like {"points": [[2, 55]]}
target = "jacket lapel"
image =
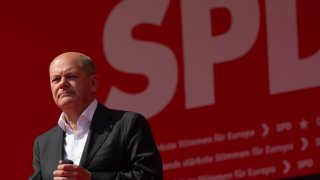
{"points": [[100, 128], [56, 148], [62, 136], [58, 144]]}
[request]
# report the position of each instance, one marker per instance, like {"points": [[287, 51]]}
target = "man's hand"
{"points": [[71, 172]]}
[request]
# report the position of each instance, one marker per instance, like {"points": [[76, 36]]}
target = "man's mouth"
{"points": [[65, 94]]}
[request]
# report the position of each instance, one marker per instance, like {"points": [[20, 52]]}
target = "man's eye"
{"points": [[55, 80], [72, 77]]}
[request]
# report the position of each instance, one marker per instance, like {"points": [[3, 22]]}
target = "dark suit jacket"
{"points": [[120, 145]]}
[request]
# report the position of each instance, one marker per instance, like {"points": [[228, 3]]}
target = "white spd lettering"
{"points": [[202, 50]]}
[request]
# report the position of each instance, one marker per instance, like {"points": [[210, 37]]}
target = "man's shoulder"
{"points": [[49, 133], [119, 115]]}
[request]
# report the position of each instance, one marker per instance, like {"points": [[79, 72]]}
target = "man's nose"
{"points": [[63, 83]]}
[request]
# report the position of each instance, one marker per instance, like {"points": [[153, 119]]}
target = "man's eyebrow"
{"points": [[53, 75]]}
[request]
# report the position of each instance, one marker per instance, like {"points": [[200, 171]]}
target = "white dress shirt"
{"points": [[75, 140]]}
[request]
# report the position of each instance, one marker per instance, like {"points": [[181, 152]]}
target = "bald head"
{"points": [[84, 61]]}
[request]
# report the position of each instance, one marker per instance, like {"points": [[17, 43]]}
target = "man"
{"points": [[102, 143]]}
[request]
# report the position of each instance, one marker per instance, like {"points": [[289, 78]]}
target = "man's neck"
{"points": [[71, 120], [72, 114]]}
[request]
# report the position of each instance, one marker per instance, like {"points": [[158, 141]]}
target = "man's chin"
{"points": [[65, 102]]}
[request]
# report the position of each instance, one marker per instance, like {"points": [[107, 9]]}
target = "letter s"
{"points": [[157, 62]]}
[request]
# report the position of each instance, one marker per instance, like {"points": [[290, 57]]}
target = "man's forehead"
{"points": [[57, 70], [64, 63]]}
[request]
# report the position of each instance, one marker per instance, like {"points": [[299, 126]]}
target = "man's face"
{"points": [[70, 85]]}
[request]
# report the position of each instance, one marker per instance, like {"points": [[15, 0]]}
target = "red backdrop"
{"points": [[231, 88]]}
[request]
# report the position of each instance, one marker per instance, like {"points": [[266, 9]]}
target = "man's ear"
{"points": [[94, 82]]}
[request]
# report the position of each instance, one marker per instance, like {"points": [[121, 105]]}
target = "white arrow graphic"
{"points": [[266, 129], [287, 166], [305, 143]]}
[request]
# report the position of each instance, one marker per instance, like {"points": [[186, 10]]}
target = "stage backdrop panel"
{"points": [[230, 88]]}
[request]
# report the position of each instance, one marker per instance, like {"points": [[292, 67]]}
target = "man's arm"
{"points": [[36, 162]]}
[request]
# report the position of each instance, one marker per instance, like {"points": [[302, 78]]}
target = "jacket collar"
{"points": [[101, 126]]}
